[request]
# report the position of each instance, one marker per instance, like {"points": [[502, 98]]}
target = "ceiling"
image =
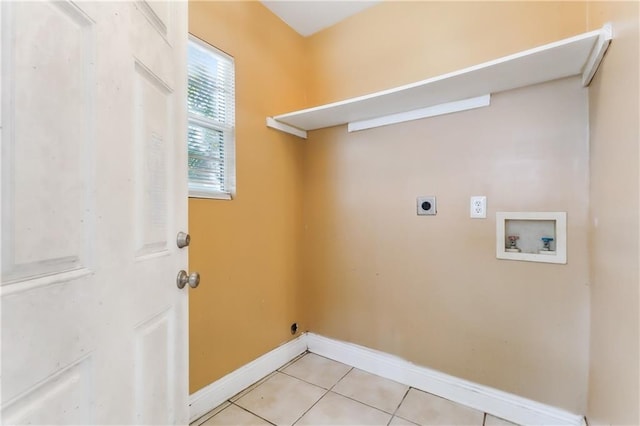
{"points": [[310, 16]]}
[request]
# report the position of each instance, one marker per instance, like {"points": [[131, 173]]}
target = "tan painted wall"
{"points": [[247, 250], [399, 42], [614, 397], [370, 275], [429, 289]]}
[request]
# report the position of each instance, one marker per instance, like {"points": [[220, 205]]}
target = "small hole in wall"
{"points": [[294, 328]]}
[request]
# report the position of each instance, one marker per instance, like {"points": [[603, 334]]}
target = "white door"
{"points": [[93, 194]]}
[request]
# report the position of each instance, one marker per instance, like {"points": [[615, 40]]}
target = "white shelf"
{"points": [[579, 55]]}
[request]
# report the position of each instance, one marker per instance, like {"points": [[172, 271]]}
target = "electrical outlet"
{"points": [[426, 205], [478, 207]]}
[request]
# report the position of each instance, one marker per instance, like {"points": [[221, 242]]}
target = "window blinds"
{"points": [[211, 109]]}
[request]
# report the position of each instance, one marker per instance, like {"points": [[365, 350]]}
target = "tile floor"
{"points": [[312, 390]]}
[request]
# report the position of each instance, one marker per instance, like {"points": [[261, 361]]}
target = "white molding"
{"points": [[493, 401], [602, 44], [275, 124], [416, 114], [498, 403], [209, 397]]}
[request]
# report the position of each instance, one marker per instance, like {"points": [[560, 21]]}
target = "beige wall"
{"points": [[247, 250], [399, 42], [613, 97], [430, 289], [427, 289]]}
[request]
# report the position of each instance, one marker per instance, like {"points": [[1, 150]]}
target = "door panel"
{"points": [[58, 239], [63, 398], [93, 195], [153, 355], [157, 13], [35, 356], [152, 118]]}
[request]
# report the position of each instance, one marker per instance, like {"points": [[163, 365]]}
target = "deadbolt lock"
{"points": [[183, 239]]}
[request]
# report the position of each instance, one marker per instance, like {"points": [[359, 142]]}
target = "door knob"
{"points": [[193, 279], [183, 239]]}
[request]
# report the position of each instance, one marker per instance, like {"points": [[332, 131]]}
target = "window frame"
{"points": [[229, 136]]}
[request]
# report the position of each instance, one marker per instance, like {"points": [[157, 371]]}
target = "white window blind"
{"points": [[211, 109]]}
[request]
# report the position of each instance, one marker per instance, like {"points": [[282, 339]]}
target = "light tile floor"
{"points": [[312, 390]]}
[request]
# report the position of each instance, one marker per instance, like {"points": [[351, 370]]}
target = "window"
{"points": [[211, 133]]}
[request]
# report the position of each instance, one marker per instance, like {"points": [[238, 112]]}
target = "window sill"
{"points": [[210, 195]]}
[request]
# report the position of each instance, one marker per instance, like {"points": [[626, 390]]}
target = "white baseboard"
{"points": [[493, 401], [209, 397], [498, 403]]}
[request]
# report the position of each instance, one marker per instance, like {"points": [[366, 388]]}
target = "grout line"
{"points": [[251, 387], [252, 413], [302, 380], [340, 379], [309, 409], [398, 407], [360, 402], [348, 397], [315, 384], [325, 394], [246, 391], [208, 415], [293, 361]]}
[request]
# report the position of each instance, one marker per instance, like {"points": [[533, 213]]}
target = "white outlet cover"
{"points": [[478, 207], [431, 200]]}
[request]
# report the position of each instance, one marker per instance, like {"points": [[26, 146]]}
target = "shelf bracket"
{"points": [[275, 124], [416, 114], [592, 64]]}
